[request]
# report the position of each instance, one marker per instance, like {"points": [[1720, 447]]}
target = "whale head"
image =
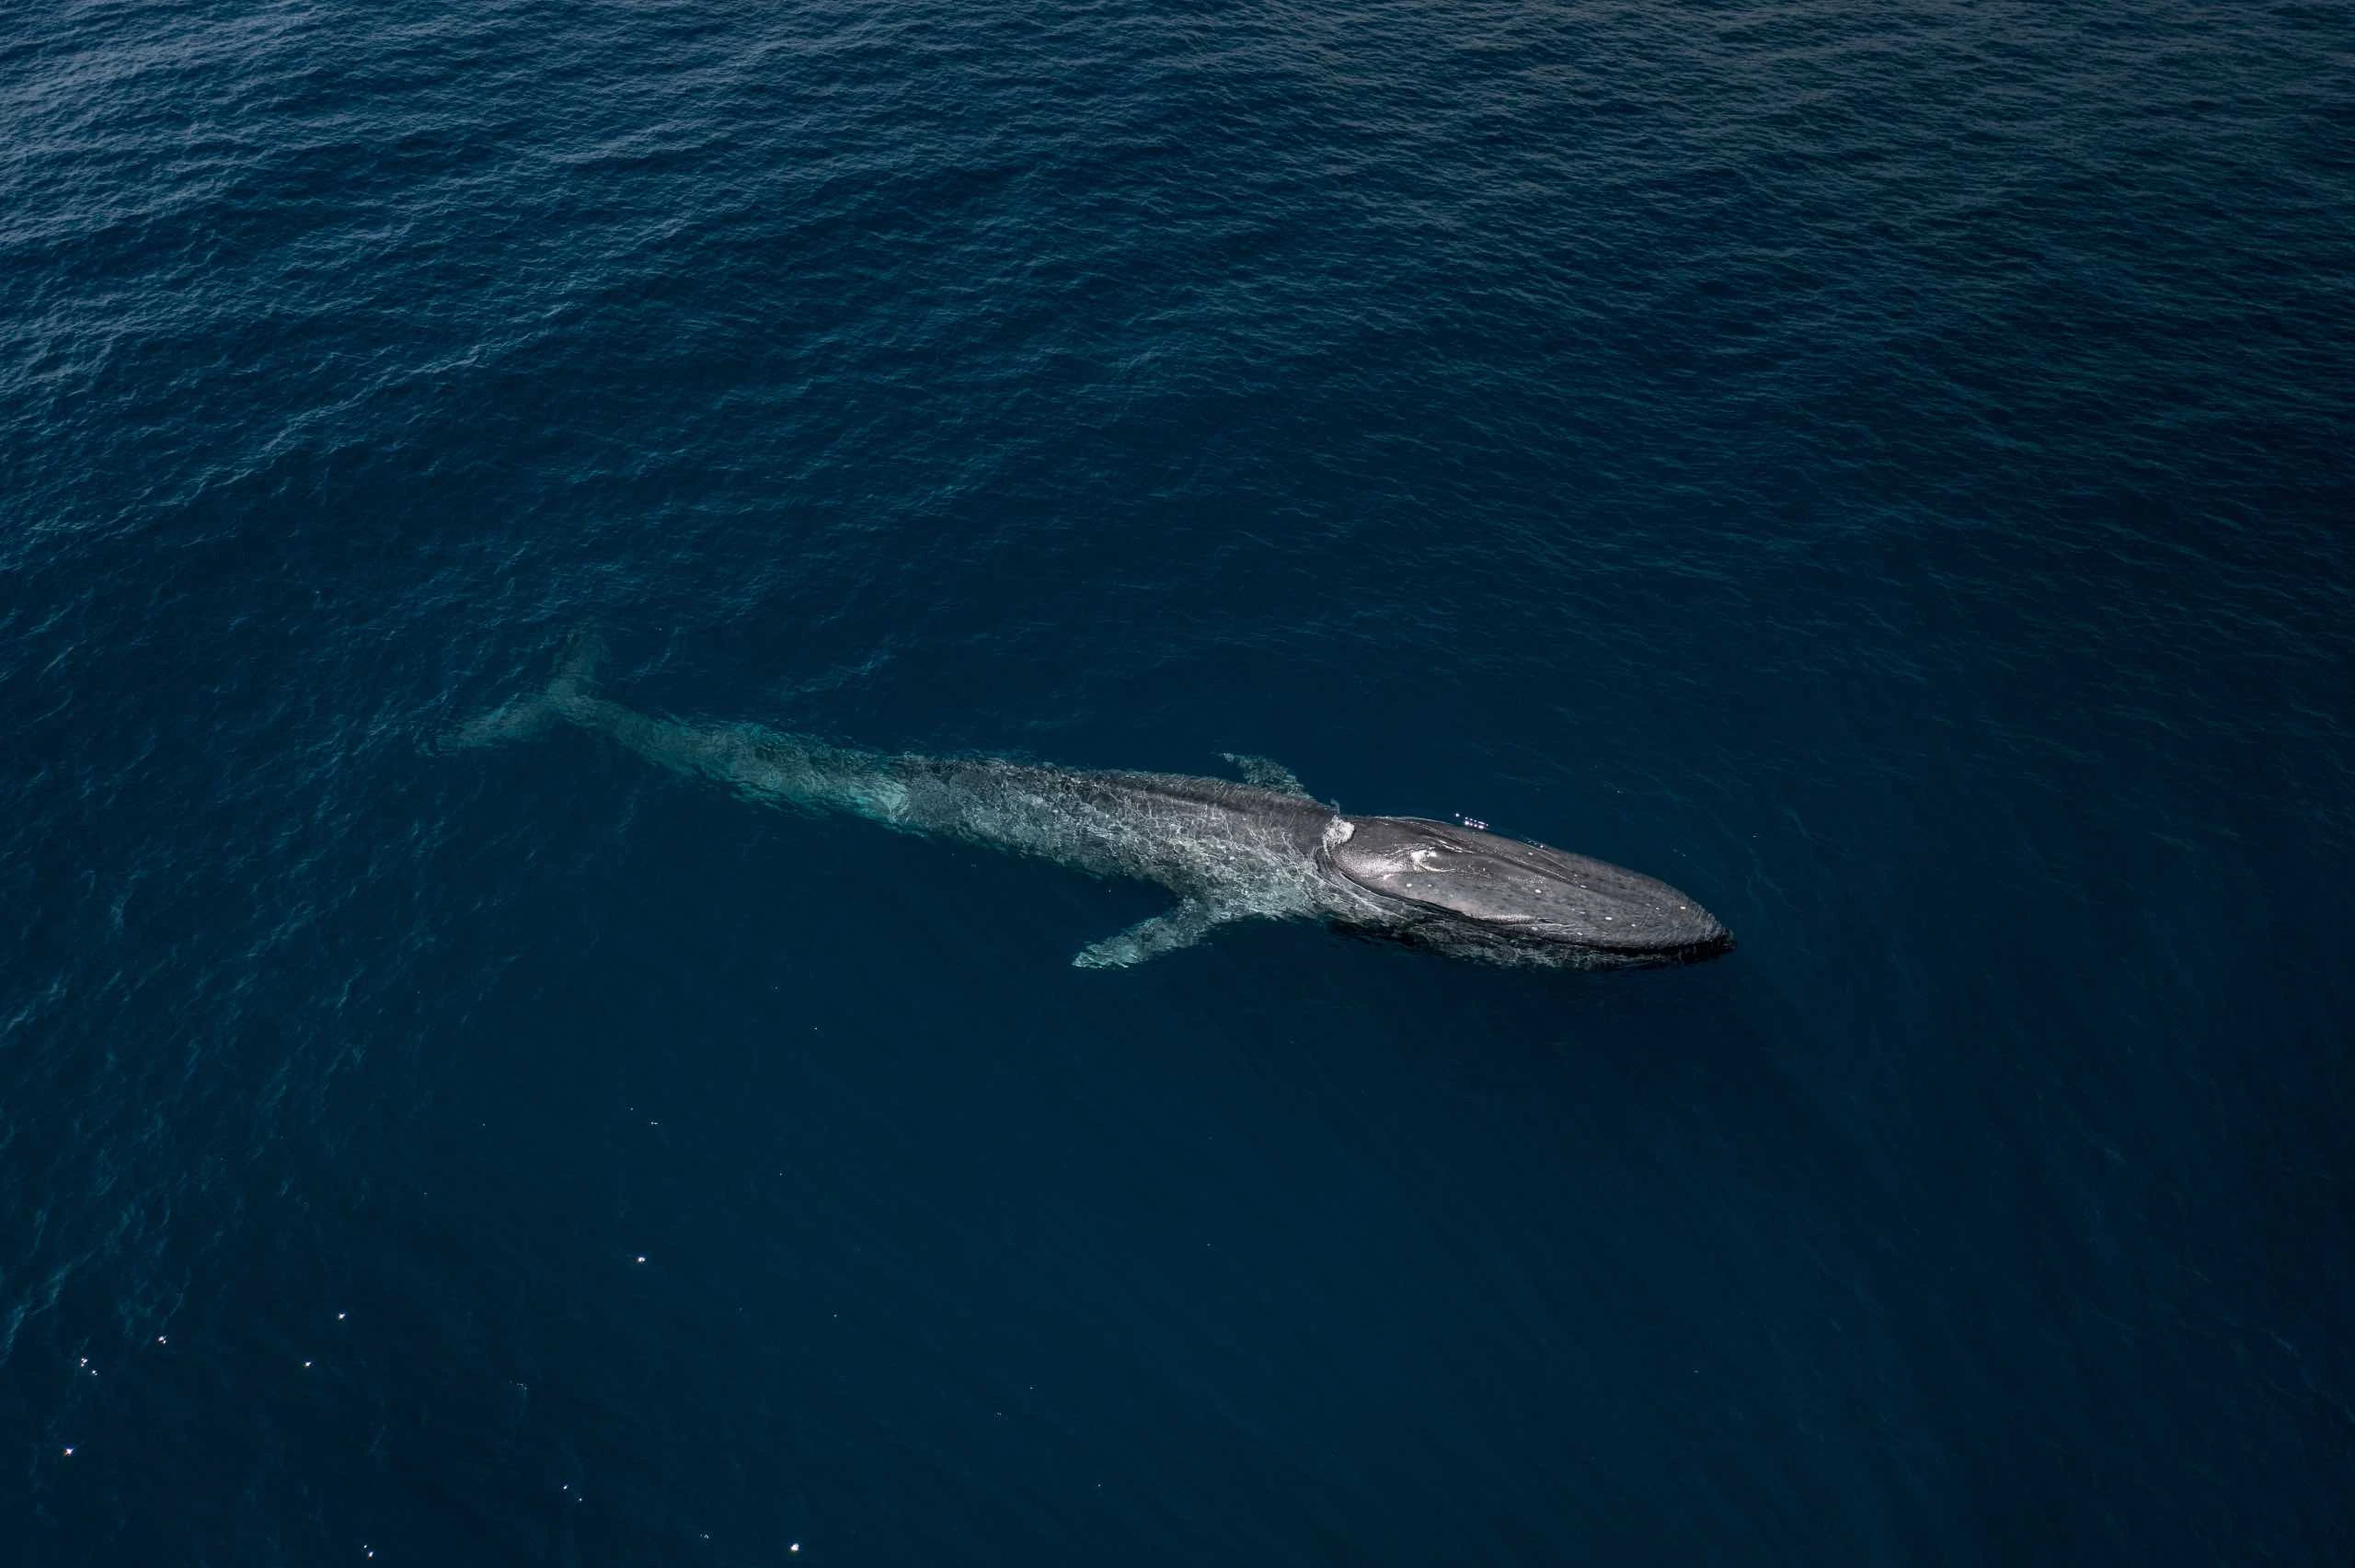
{"points": [[1488, 895]]}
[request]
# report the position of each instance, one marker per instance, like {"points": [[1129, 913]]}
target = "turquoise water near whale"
{"points": [[1883, 470]]}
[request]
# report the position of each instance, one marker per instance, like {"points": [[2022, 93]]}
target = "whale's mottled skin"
{"points": [[1260, 848]]}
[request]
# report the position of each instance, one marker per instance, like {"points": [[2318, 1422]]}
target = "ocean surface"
{"points": [[1887, 470]]}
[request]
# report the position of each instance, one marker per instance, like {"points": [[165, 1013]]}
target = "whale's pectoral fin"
{"points": [[1266, 773], [1180, 927]]}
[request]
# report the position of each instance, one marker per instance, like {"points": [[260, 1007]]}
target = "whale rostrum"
{"points": [[1260, 848]]}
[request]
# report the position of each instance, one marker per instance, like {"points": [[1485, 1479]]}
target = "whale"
{"points": [[1255, 846]]}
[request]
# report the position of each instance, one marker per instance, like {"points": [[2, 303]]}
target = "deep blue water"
{"points": [[1887, 470]]}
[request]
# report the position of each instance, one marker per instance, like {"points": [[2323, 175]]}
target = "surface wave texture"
{"points": [[1882, 469]]}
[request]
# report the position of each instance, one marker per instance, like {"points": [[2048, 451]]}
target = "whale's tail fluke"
{"points": [[575, 671], [571, 685]]}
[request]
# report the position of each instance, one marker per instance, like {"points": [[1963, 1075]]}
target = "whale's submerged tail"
{"points": [[525, 717]]}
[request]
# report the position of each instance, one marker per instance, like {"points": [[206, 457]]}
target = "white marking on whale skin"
{"points": [[884, 799]]}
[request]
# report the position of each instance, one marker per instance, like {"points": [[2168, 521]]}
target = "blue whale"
{"points": [[1258, 847]]}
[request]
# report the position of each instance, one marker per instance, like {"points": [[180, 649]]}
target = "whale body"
{"points": [[1258, 847]]}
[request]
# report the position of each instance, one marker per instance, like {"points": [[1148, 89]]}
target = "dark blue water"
{"points": [[1889, 471]]}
